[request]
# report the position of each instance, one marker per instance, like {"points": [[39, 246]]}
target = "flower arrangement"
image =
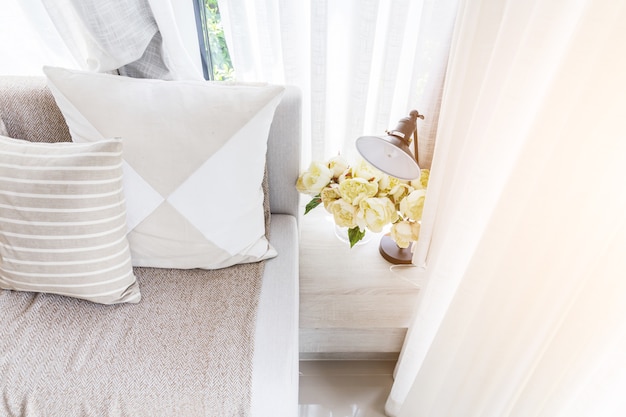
{"points": [[361, 198]]}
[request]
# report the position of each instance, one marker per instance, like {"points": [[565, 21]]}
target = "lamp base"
{"points": [[393, 253]]}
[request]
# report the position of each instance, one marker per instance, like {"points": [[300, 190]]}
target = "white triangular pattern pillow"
{"points": [[196, 152]]}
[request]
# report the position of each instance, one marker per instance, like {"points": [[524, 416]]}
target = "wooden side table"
{"points": [[353, 303]]}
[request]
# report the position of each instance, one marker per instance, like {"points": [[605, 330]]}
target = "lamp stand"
{"points": [[393, 253], [388, 248]]}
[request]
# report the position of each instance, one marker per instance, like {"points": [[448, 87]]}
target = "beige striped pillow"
{"points": [[63, 220]]}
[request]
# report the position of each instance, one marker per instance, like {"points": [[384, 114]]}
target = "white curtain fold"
{"points": [[103, 35], [524, 228], [361, 65], [140, 38], [181, 52], [28, 39]]}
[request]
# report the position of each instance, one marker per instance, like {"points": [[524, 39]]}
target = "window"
{"points": [[216, 62]]}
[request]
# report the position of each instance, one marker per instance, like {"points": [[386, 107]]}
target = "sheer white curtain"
{"points": [[140, 38], [524, 229], [361, 64], [29, 40]]}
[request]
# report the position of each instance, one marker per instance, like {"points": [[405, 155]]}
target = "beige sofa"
{"points": [[223, 343]]}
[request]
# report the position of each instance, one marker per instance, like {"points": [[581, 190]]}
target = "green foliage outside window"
{"points": [[220, 58]]}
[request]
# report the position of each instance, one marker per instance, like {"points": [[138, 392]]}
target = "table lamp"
{"points": [[391, 154]]}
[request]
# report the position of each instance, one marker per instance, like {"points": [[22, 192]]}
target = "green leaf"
{"points": [[316, 201], [354, 235]]}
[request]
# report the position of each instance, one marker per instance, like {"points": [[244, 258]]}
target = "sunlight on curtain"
{"points": [[176, 22], [524, 228], [142, 38], [29, 40], [100, 34], [361, 64], [268, 41]]}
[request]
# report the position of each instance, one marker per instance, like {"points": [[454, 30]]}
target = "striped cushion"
{"points": [[63, 220]]}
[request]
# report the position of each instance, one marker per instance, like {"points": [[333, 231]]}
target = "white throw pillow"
{"points": [[62, 220], [194, 155]]}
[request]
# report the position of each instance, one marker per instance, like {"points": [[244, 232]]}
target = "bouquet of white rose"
{"points": [[363, 198]]}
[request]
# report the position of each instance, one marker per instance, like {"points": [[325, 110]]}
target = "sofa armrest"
{"points": [[283, 154]]}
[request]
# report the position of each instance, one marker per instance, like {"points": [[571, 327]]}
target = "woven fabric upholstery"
{"points": [[29, 111], [184, 350]]}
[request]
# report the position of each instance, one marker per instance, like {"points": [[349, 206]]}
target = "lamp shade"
{"points": [[391, 153]]}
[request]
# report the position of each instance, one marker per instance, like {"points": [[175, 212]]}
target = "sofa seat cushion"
{"points": [[183, 351]]}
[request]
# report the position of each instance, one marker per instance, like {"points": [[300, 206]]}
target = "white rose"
{"points": [[343, 213], [412, 205], [337, 165], [329, 195], [364, 170], [400, 191], [387, 183], [314, 179], [422, 181], [354, 190], [375, 213], [403, 233]]}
